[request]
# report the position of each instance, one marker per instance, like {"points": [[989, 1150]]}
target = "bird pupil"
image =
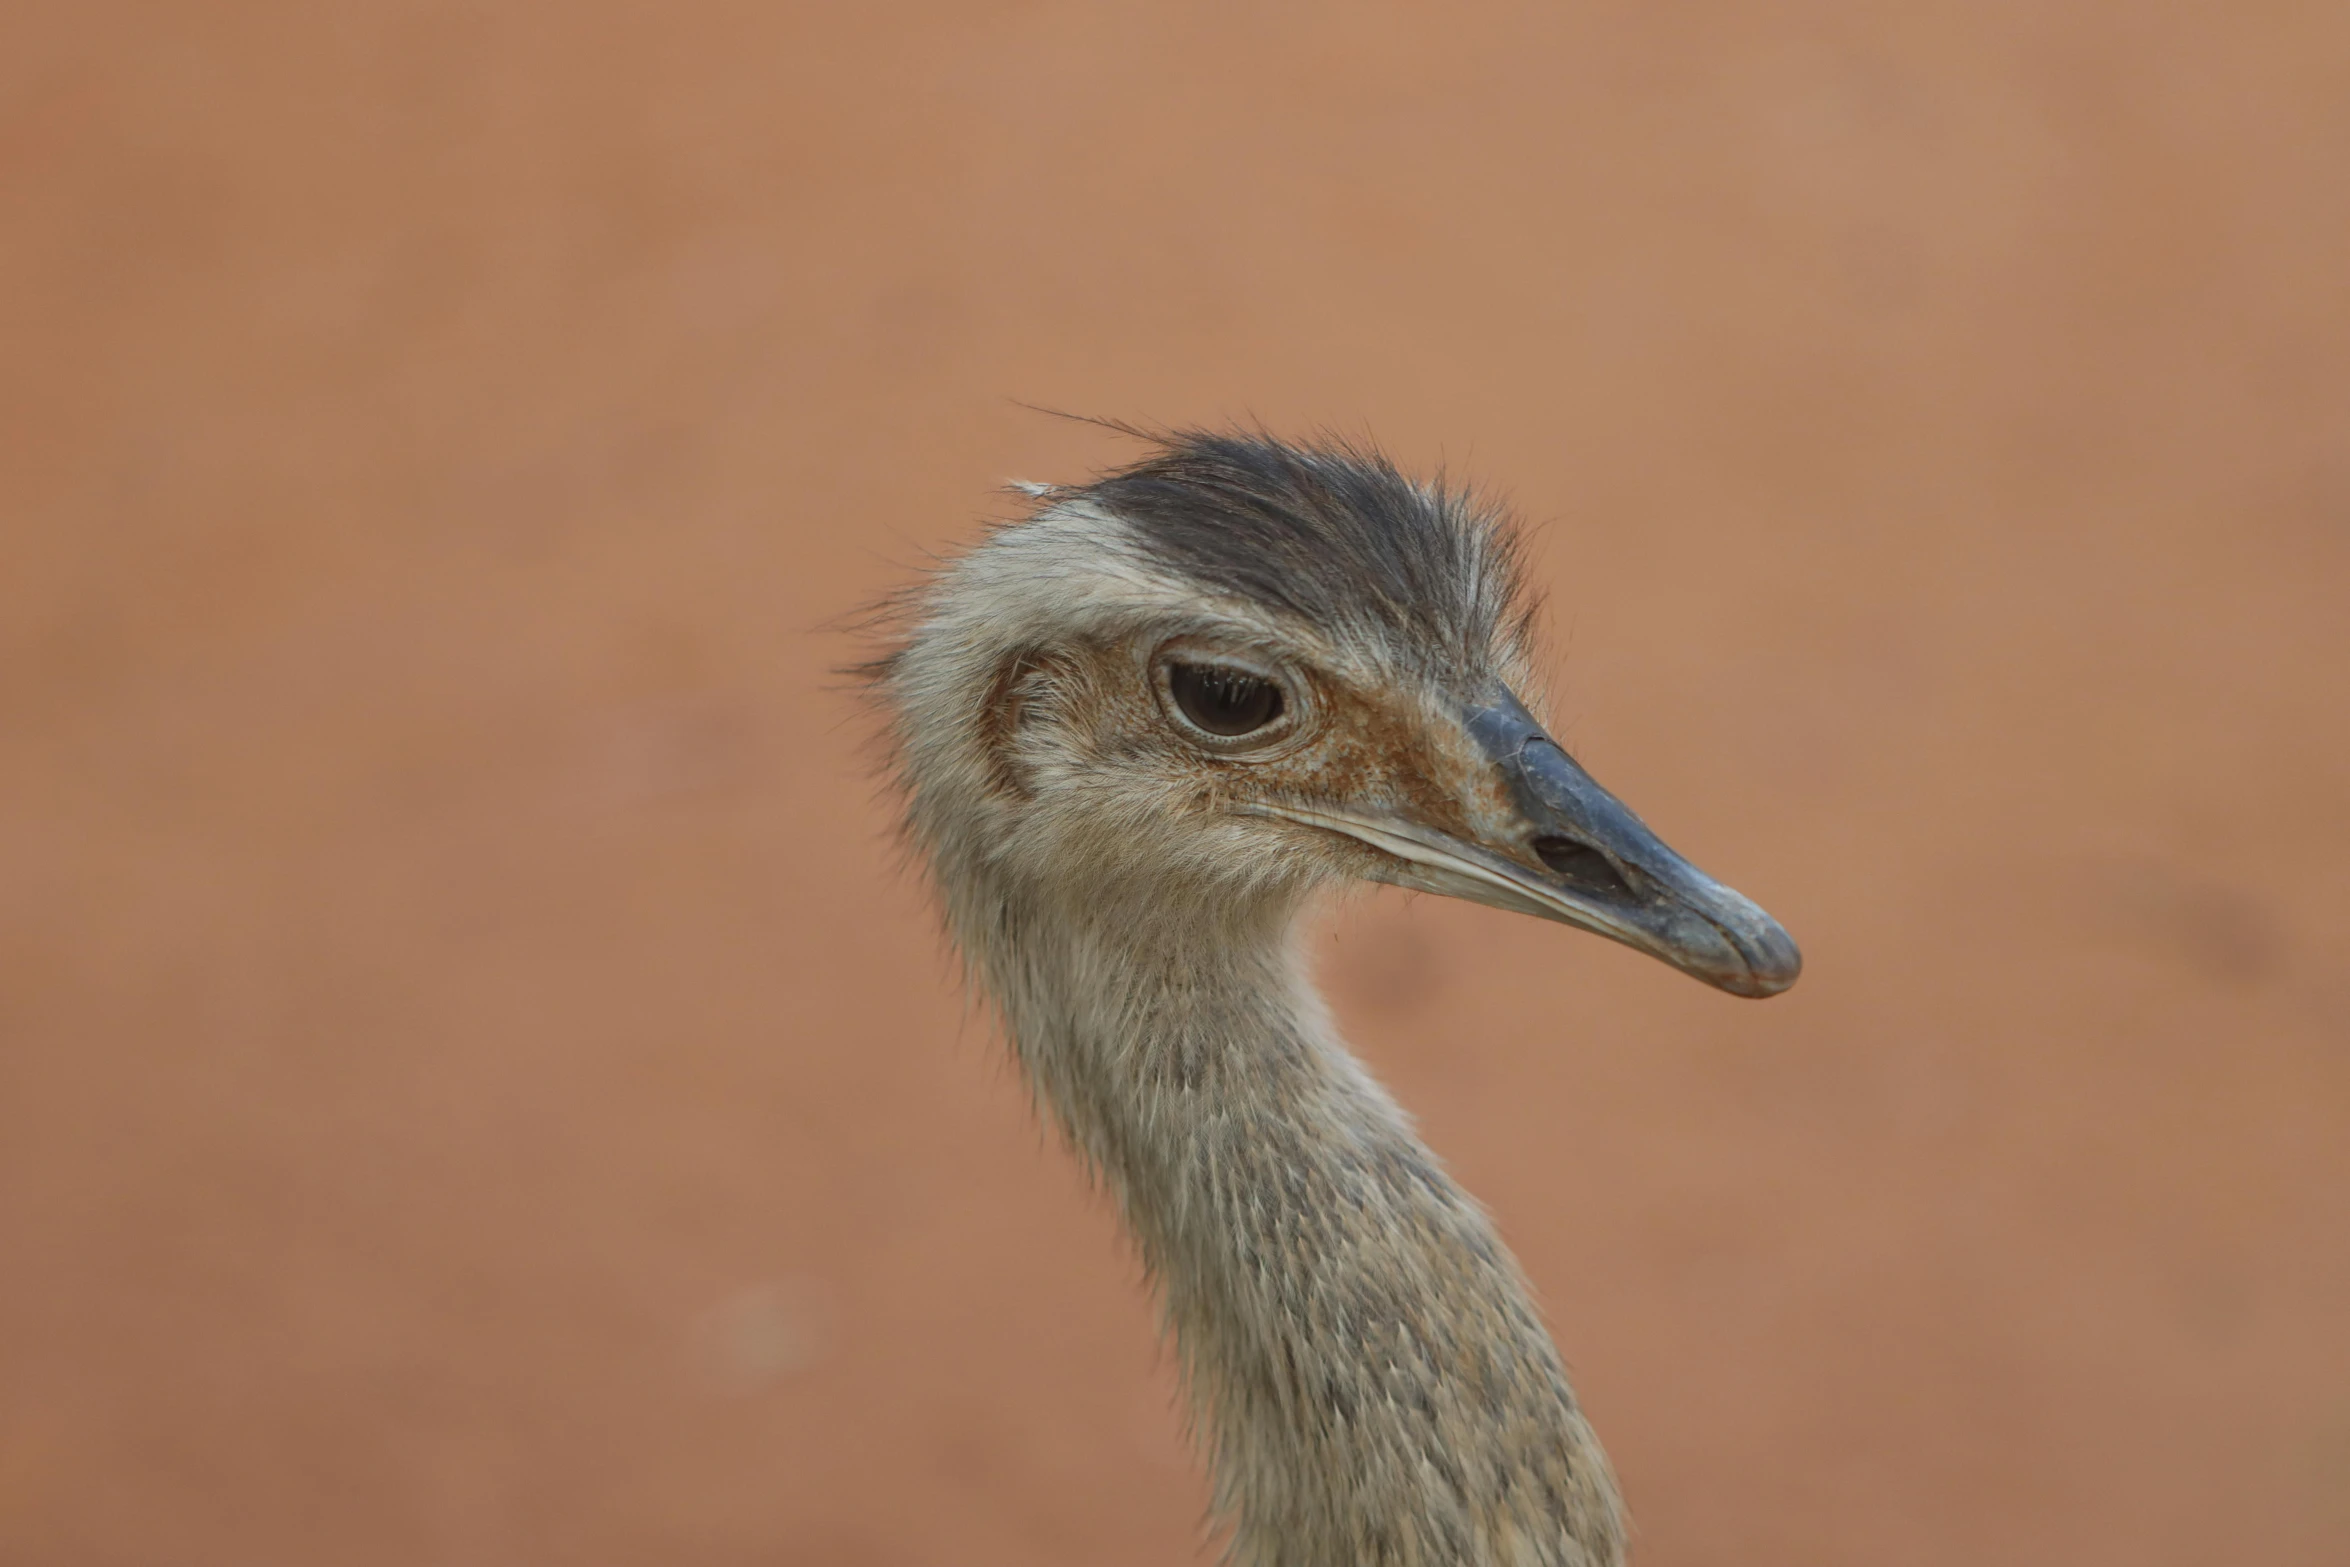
{"points": [[1224, 701]]}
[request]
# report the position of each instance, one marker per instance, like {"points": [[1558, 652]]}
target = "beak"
{"points": [[1572, 852]]}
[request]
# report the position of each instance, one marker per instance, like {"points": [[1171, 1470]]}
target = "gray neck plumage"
{"points": [[1366, 1365]]}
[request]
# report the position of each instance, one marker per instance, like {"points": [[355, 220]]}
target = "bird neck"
{"points": [[1371, 1379]]}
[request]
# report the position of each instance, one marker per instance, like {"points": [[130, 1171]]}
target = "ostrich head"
{"points": [[1241, 669]]}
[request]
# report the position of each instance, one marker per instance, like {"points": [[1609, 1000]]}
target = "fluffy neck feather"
{"points": [[1371, 1378]]}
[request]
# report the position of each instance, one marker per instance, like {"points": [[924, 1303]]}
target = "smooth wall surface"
{"points": [[477, 1088]]}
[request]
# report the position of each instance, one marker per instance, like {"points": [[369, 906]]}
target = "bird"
{"points": [[1136, 731]]}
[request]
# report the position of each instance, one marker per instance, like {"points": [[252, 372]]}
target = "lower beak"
{"points": [[1576, 854]]}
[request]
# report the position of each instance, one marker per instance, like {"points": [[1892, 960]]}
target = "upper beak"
{"points": [[1570, 851]]}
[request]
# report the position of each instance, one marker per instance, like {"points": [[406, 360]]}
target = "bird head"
{"points": [[1241, 669]]}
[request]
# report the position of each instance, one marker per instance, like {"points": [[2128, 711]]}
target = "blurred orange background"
{"points": [[477, 1086]]}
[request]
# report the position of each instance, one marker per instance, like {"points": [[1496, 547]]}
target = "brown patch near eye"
{"points": [[1009, 697], [1380, 747], [1069, 686]]}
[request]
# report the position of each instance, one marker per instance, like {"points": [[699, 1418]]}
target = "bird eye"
{"points": [[1224, 701]]}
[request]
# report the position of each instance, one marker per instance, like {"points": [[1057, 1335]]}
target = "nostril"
{"points": [[1582, 866]]}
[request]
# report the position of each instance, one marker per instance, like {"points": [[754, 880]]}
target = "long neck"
{"points": [[1373, 1381]]}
